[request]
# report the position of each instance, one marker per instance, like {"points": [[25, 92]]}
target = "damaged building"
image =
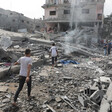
{"points": [[106, 31], [13, 21], [60, 14]]}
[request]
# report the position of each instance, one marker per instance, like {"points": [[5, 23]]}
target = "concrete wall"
{"points": [[80, 16], [47, 13]]}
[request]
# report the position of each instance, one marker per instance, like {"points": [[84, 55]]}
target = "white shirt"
{"points": [[24, 62], [53, 51]]}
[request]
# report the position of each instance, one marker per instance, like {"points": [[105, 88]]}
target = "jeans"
{"points": [[22, 80], [109, 49], [105, 52]]}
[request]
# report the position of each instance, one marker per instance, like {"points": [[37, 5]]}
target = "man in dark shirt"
{"points": [[109, 47]]}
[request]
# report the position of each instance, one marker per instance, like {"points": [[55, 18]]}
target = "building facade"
{"points": [[61, 14]]}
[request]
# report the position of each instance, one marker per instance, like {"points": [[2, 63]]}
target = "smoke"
{"points": [[79, 35], [76, 16]]}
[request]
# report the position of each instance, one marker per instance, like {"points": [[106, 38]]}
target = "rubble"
{"points": [[84, 84], [5, 42]]}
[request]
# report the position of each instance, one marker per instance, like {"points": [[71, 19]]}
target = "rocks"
{"points": [[58, 99], [3, 88], [109, 65], [3, 105], [6, 100]]}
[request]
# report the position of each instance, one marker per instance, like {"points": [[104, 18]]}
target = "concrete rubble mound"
{"points": [[5, 42], [81, 81]]}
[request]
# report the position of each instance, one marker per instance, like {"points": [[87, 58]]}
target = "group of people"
{"points": [[107, 47], [25, 68]]}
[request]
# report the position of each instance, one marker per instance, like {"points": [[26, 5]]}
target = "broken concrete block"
{"points": [[3, 88], [81, 100], [57, 72], [109, 72], [103, 80], [97, 96], [67, 78], [99, 70], [16, 47], [51, 109], [1, 106], [105, 106], [4, 71], [109, 65], [5, 42], [47, 56], [59, 65], [58, 99], [6, 100]]}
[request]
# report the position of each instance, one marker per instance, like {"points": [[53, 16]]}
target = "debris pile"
{"points": [[81, 81]]}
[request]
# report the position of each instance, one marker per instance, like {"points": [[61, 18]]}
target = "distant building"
{"points": [[59, 13], [12, 21]]}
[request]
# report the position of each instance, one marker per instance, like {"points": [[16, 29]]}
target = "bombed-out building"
{"points": [[61, 14], [14, 21]]}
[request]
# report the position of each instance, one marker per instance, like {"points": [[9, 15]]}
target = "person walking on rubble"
{"points": [[54, 54], [24, 75], [105, 48], [109, 47]]}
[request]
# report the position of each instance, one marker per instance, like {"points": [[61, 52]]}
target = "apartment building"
{"points": [[61, 14]]}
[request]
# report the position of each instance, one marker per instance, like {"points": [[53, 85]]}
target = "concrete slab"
{"points": [[105, 102], [41, 41], [103, 79], [2, 83], [3, 88], [4, 71]]}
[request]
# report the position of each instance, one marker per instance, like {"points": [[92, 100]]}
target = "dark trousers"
{"points": [[109, 49], [54, 59], [22, 80]]}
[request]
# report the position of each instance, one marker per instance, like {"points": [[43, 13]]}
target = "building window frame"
{"points": [[66, 12], [85, 11], [52, 13]]}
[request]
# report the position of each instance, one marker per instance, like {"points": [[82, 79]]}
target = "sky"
{"points": [[33, 9]]}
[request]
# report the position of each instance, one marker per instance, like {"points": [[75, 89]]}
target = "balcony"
{"points": [[58, 19], [49, 5]]}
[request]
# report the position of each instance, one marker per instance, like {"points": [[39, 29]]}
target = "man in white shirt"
{"points": [[24, 75], [54, 54]]}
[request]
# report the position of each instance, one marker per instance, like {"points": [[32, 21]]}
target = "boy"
{"points": [[109, 47], [24, 75], [54, 54]]}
